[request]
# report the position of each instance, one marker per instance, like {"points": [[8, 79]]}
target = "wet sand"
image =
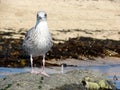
{"points": [[108, 65]]}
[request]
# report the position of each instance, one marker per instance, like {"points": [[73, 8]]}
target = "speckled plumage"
{"points": [[38, 41]]}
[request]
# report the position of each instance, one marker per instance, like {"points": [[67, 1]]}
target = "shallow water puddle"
{"points": [[9, 71]]}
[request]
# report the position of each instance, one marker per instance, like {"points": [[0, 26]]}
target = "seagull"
{"points": [[38, 41]]}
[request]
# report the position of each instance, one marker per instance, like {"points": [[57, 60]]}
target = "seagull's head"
{"points": [[41, 16]]}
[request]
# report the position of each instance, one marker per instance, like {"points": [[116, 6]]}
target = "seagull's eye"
{"points": [[38, 16], [45, 15]]}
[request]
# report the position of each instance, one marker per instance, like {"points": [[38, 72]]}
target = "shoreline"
{"points": [[109, 64], [98, 68]]}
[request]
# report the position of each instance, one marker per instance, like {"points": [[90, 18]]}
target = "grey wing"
{"points": [[29, 32], [51, 40], [28, 41]]}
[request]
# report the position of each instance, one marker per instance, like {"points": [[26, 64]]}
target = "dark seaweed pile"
{"points": [[85, 46], [12, 55]]}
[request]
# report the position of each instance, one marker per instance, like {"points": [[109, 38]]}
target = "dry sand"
{"points": [[93, 18]]}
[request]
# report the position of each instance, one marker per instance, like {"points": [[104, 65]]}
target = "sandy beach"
{"points": [[66, 18], [94, 22]]}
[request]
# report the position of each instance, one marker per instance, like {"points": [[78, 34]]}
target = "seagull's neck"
{"points": [[41, 25], [42, 28]]}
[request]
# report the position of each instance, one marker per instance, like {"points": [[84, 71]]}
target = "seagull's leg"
{"points": [[32, 70], [31, 61], [43, 68]]}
